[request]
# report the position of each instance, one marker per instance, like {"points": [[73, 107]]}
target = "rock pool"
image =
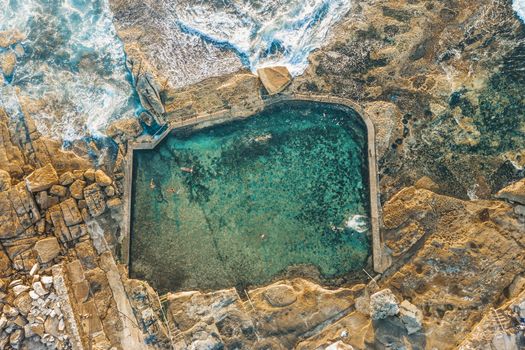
{"points": [[238, 204]]}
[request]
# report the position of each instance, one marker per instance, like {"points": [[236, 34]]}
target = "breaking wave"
{"points": [[519, 7], [264, 33], [70, 72]]}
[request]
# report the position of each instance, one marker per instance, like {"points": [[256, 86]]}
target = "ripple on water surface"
{"points": [[236, 204], [70, 64]]}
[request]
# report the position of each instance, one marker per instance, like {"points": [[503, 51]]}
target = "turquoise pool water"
{"points": [[237, 204]]}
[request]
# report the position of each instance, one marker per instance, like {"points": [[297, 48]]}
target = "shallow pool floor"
{"points": [[237, 204]]}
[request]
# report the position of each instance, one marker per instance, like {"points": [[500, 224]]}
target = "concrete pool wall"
{"points": [[380, 261]]}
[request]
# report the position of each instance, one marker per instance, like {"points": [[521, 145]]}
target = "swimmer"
{"points": [[152, 184]]}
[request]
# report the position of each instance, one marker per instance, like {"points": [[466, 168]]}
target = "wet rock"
{"points": [[89, 175], [411, 316], [280, 295], [47, 249], [10, 37], [5, 180], [58, 190], [127, 126], [274, 79], [42, 179], [8, 62], [148, 92], [77, 189], [95, 200], [102, 178], [383, 304], [70, 212], [66, 178], [514, 192]]}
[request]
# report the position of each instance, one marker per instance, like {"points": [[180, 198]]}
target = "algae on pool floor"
{"points": [[236, 204]]}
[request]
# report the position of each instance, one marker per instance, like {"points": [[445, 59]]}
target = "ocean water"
{"points": [[262, 32], [519, 7], [283, 188], [71, 66]]}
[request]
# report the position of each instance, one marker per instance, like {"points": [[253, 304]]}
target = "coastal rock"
{"points": [[114, 203], [70, 212], [280, 295], [10, 37], [66, 178], [8, 62], [95, 200], [127, 126], [514, 192], [275, 79], [339, 345], [42, 179], [102, 178], [58, 190], [148, 92], [89, 175], [77, 189], [47, 249], [411, 316], [383, 304], [5, 180]]}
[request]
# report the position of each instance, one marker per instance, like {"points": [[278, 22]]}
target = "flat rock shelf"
{"points": [[242, 203]]}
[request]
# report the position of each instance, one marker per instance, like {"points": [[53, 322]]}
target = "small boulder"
{"points": [[5, 180], [110, 191], [339, 345], [95, 200], [102, 179], [89, 175], [42, 179], [47, 249], [411, 316], [514, 192], [274, 79], [114, 203], [66, 178], [57, 190], [383, 304], [77, 189]]}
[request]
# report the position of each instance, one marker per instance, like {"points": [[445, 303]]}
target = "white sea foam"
{"points": [[519, 7], [72, 64], [275, 32], [358, 223]]}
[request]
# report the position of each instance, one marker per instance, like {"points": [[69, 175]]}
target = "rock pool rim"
{"points": [[380, 261]]}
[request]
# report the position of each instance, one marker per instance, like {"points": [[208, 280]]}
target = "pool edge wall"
{"points": [[380, 260]]}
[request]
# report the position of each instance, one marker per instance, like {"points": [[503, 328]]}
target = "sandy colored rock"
{"points": [[280, 295], [70, 212], [77, 189], [426, 183], [8, 62], [42, 179], [66, 178], [89, 175], [114, 203], [47, 249], [514, 192], [95, 200], [102, 178], [58, 190], [275, 79], [5, 180], [127, 126], [10, 37]]}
